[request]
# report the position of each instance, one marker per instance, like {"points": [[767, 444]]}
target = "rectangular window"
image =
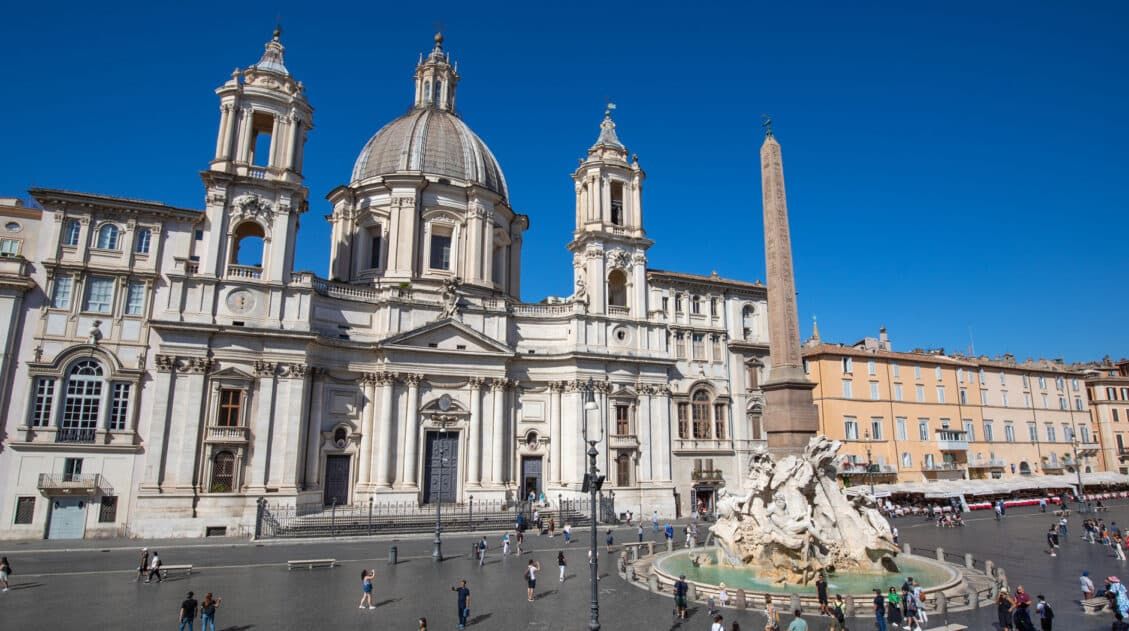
{"points": [[897, 370], [1111, 394], [678, 303], [920, 394], [1060, 383], [983, 397], [666, 304], [988, 431], [679, 346], [917, 372], [1062, 405], [1125, 394], [1046, 402], [900, 422], [1003, 378], [1009, 432], [99, 294], [1032, 432], [134, 298], [25, 509], [1043, 383], [622, 420], [716, 344], [960, 375], [1067, 433], [375, 243], [1003, 398], [964, 396], [873, 390], [713, 307], [142, 241], [698, 343], [684, 420], [898, 394], [9, 247], [876, 427], [923, 429], [940, 394], [231, 408], [119, 406], [72, 469], [1078, 404], [937, 372], [1084, 433], [719, 421], [108, 511], [847, 389], [1027, 400], [1074, 385], [1050, 433], [969, 430], [1115, 418], [44, 400], [440, 251], [850, 428], [696, 305], [871, 368], [848, 365], [1026, 381], [61, 292]]}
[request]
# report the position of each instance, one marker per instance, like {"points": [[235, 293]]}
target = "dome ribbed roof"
{"points": [[434, 142]]}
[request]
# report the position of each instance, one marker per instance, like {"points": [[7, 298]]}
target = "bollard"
{"points": [[740, 602], [631, 574], [651, 548], [941, 555], [907, 548], [794, 602], [670, 545], [850, 606], [989, 568], [942, 605], [995, 590], [968, 560], [973, 599], [653, 583], [1001, 576], [692, 593], [393, 555]]}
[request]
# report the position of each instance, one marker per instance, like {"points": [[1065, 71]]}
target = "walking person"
{"points": [[798, 623], [552, 526], [1004, 604], [366, 589], [1020, 615], [1062, 528], [893, 608], [880, 610], [771, 614], [506, 545], [639, 533], [208, 612], [718, 624], [561, 565], [680, 590], [463, 598], [894, 531], [567, 533], [143, 566], [610, 540], [520, 541], [839, 614], [1087, 585], [1052, 540], [187, 613], [531, 578], [5, 572], [482, 552], [1118, 549], [1046, 614], [154, 568], [919, 596], [655, 523]]}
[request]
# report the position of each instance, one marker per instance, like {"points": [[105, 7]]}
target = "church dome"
{"points": [[432, 141]]}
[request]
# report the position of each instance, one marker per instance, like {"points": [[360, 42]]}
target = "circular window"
{"points": [[621, 335], [12, 226], [531, 439], [340, 437]]}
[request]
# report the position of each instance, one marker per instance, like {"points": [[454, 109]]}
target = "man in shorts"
{"points": [[821, 593], [680, 590]]}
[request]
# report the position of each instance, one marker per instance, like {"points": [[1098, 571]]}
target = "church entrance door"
{"points": [[336, 480], [530, 476], [442, 467]]}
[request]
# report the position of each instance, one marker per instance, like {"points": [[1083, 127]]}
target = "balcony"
{"points": [[944, 470], [623, 441], [951, 440], [707, 475], [990, 463], [618, 310], [1053, 466], [51, 484], [75, 435], [855, 469], [244, 271], [218, 434], [257, 173], [703, 445]]}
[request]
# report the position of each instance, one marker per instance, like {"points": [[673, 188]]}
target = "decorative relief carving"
{"points": [[639, 258], [476, 383], [619, 259], [413, 379], [197, 365], [165, 363], [385, 378], [556, 386], [264, 368], [250, 205]]}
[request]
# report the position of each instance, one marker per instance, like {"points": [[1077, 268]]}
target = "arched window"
{"points": [[223, 472], [71, 232], [427, 91], [438, 92], [752, 376], [701, 404], [617, 289], [247, 244], [623, 470], [747, 324], [108, 236], [142, 241], [83, 402]]}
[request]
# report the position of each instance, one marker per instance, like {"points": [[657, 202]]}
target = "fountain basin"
{"points": [[933, 576]]}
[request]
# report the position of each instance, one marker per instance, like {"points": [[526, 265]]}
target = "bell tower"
{"points": [[255, 190], [609, 244]]}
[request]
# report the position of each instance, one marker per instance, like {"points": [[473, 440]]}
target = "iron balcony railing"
{"points": [[991, 463], [862, 469], [943, 466], [71, 484], [75, 435], [706, 474]]}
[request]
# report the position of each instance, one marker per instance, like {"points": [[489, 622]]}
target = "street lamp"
{"points": [[1082, 506], [869, 464], [593, 434], [437, 550]]}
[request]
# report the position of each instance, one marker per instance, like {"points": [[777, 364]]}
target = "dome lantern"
{"points": [[436, 79]]}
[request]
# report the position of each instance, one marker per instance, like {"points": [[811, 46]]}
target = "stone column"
{"points": [[261, 424], [243, 135], [221, 138], [157, 451], [293, 388], [411, 432], [498, 388], [660, 427], [313, 431], [643, 425], [368, 385], [383, 445], [555, 436], [570, 434], [474, 436], [184, 436]]}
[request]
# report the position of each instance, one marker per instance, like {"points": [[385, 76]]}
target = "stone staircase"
{"points": [[356, 522]]}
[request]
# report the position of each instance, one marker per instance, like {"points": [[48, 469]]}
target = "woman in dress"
{"points": [[772, 614], [366, 589], [1004, 603]]}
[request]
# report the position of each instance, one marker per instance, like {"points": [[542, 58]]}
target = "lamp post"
{"points": [[593, 434], [869, 464], [437, 549], [1082, 506]]}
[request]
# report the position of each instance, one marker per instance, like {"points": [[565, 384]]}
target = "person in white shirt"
{"points": [[722, 596], [1087, 585], [717, 624], [531, 578]]}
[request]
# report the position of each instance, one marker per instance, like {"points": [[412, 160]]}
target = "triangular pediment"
{"points": [[231, 373], [446, 336]]}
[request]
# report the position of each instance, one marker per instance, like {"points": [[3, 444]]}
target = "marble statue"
{"points": [[794, 521]]}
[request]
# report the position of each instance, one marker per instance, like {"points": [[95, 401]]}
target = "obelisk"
{"points": [[790, 417]]}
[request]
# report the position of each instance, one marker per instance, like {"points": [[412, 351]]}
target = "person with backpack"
{"points": [[1046, 614], [839, 614], [681, 588], [143, 566], [482, 552], [5, 572]]}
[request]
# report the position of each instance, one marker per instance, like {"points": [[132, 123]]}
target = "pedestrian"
{"points": [[5, 572], [154, 567], [187, 613], [1052, 540], [722, 596], [1046, 614], [520, 541], [143, 566], [610, 540], [567, 533], [639, 533], [1004, 604], [999, 507], [482, 552], [893, 608], [1062, 527], [880, 610], [669, 532], [552, 526], [919, 597], [894, 531], [208, 612], [561, 565], [771, 614], [717, 625], [839, 614], [463, 598], [1042, 504], [821, 594], [655, 523], [686, 531], [422, 624], [1020, 615], [506, 545], [913, 611], [735, 626], [1087, 585], [798, 623], [629, 518], [531, 578], [366, 589], [1118, 549], [680, 590]]}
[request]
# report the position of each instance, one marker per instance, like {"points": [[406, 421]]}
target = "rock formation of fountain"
{"points": [[795, 521]]}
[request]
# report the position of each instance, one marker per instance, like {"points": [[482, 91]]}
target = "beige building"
{"points": [[925, 414], [1107, 386]]}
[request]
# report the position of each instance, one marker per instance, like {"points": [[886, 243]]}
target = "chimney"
{"points": [[883, 339]]}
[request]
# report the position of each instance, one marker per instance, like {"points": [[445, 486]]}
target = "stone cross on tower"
{"points": [[790, 417]]}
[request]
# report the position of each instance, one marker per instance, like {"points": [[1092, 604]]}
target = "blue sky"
{"points": [[950, 167]]}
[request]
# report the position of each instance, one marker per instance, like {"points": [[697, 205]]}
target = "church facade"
{"points": [[171, 368]]}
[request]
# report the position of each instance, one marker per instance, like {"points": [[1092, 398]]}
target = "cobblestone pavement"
{"points": [[91, 584]]}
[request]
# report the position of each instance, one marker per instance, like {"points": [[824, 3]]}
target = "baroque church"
{"points": [[170, 368]]}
